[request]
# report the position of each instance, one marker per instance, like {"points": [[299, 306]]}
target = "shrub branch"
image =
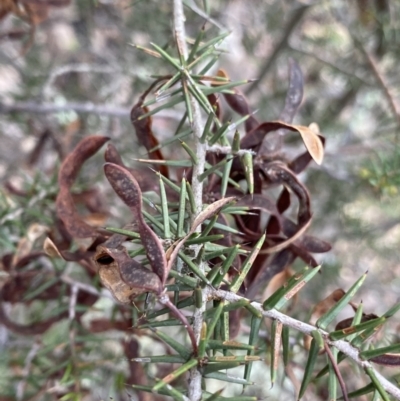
{"points": [[305, 328]]}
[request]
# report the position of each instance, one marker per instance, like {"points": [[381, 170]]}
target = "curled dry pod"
{"points": [[144, 176], [68, 173], [257, 202], [145, 134], [308, 242], [127, 188], [311, 140], [294, 95], [123, 276], [272, 144], [282, 205], [278, 173]]}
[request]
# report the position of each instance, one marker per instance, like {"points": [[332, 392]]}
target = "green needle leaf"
{"points": [[196, 44], [172, 163], [194, 268], [236, 142], [312, 357], [182, 209], [121, 231], [167, 57], [217, 366], [175, 374], [294, 284], [377, 384], [214, 319], [225, 177], [332, 379], [191, 197], [238, 281], [203, 340], [324, 320], [164, 209], [190, 152], [207, 127], [227, 378], [285, 344], [160, 359], [176, 345], [373, 353], [370, 324], [253, 339], [226, 265]]}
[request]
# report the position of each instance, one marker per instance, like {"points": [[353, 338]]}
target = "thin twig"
{"points": [[82, 108], [290, 26], [382, 82], [330, 64], [26, 370], [84, 287], [337, 372], [305, 328]]}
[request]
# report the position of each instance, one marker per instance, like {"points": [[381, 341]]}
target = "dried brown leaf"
{"points": [[50, 248], [237, 102], [145, 134], [208, 212], [127, 188], [278, 173], [69, 170], [123, 276]]}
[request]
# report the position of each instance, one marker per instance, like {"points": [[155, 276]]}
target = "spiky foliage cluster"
{"points": [[202, 267]]}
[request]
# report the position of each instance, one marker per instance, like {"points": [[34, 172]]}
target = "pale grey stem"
{"points": [[82, 108], [194, 390], [72, 302], [26, 370], [343, 346], [86, 287], [227, 150]]}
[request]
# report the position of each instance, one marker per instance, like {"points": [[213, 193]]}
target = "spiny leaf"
{"points": [[174, 344], [175, 374], [384, 355], [339, 334], [295, 283], [164, 208], [327, 318], [377, 384], [182, 208], [159, 359], [228, 378], [208, 212], [312, 357], [253, 338], [238, 281]]}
